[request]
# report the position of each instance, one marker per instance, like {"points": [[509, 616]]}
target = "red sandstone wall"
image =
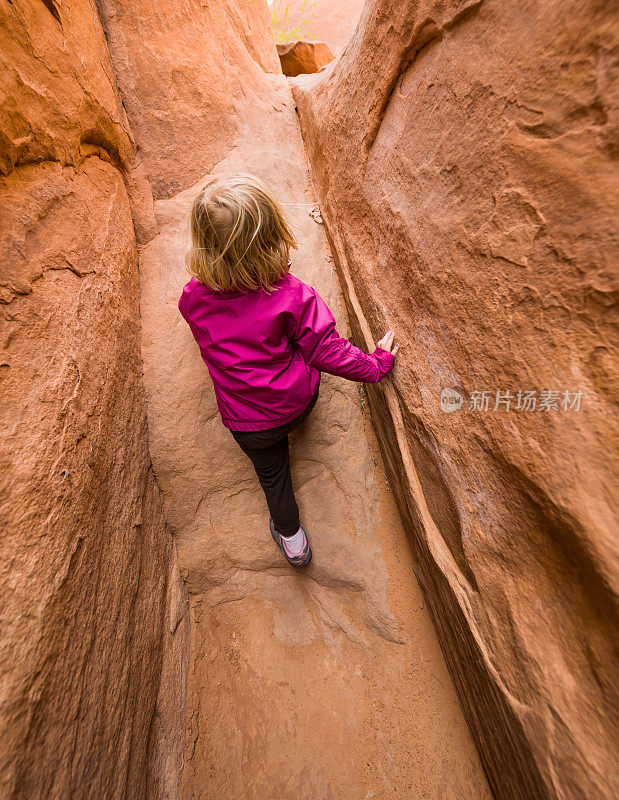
{"points": [[188, 77], [92, 610], [470, 191]]}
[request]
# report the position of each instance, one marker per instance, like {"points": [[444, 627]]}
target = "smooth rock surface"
{"points": [[299, 58], [470, 192], [188, 76], [91, 666]]}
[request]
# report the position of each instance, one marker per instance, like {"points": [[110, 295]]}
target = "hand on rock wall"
{"points": [[387, 343]]}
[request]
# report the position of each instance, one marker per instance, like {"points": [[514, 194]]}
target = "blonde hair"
{"points": [[240, 236]]}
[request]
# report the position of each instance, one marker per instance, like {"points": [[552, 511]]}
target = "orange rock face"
{"points": [[188, 77], [299, 58], [470, 194], [93, 615]]}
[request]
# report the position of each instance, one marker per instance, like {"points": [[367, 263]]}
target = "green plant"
{"points": [[284, 29]]}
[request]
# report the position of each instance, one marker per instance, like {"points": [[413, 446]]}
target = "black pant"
{"points": [[270, 455]]}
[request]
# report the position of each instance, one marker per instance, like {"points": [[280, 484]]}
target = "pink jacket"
{"points": [[265, 352]]}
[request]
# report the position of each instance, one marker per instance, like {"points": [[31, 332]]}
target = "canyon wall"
{"points": [[469, 192], [93, 611], [189, 77]]}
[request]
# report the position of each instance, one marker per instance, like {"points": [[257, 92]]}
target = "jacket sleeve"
{"points": [[313, 332]]}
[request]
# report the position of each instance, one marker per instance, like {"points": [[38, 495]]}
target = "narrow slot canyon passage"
{"points": [[449, 176], [323, 683]]}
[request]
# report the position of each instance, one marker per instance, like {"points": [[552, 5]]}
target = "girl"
{"points": [[264, 335]]}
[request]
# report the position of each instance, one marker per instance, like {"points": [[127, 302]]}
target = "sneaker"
{"points": [[301, 560]]}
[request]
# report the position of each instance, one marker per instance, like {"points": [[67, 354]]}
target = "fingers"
{"points": [[383, 341], [386, 343]]}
